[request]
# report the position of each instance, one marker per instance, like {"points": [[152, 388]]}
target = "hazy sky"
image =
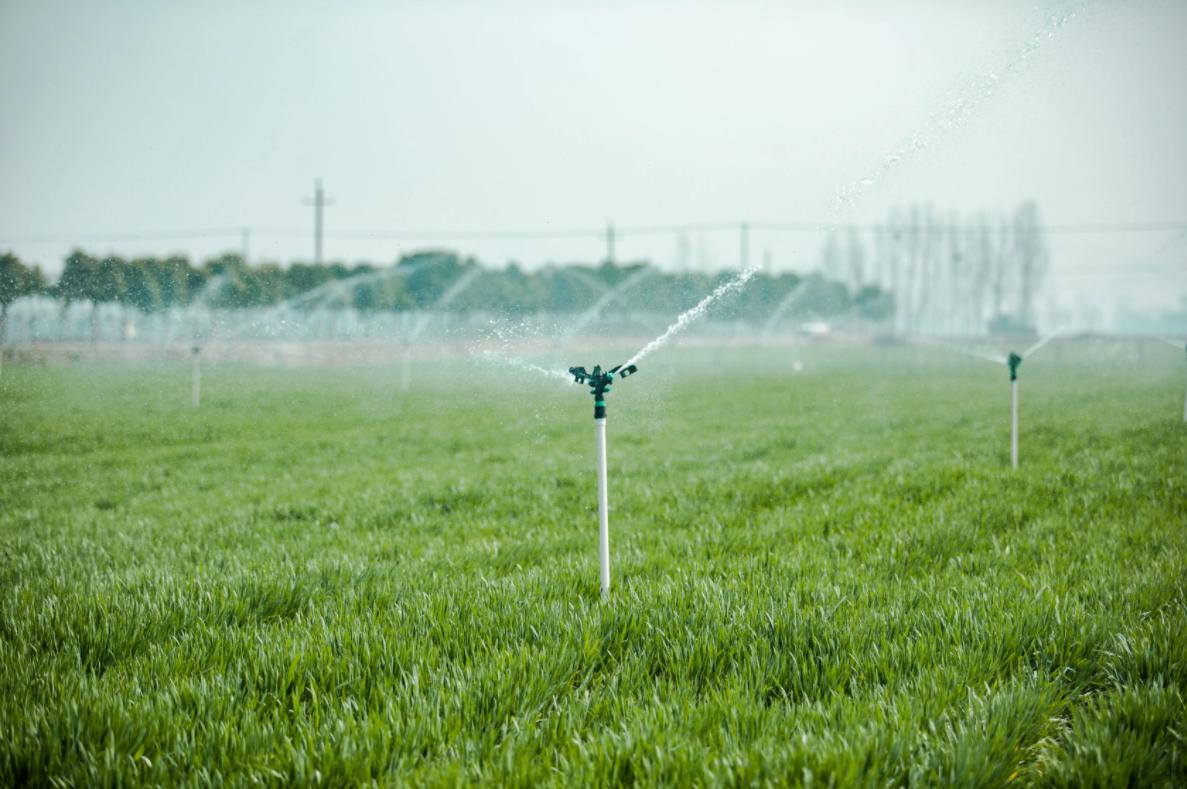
{"points": [[146, 117]]}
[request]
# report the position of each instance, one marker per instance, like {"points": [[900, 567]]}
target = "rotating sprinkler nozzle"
{"points": [[1014, 360], [600, 382]]}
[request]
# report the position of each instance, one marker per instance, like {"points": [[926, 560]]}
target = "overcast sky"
{"points": [[152, 117]]}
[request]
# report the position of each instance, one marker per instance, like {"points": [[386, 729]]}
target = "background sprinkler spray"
{"points": [[599, 386]]}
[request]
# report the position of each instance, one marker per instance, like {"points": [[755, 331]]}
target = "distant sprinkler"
{"points": [[599, 386], [1014, 361], [196, 375]]}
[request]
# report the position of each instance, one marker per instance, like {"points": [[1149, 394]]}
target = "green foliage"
{"points": [[172, 279], [832, 578], [79, 279], [141, 287], [108, 283], [17, 280], [419, 280]]}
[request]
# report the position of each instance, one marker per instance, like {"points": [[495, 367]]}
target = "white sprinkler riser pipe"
{"points": [[603, 509], [196, 393], [1014, 424]]}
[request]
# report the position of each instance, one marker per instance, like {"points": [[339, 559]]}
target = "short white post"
{"points": [[196, 387], [603, 509], [1014, 423]]}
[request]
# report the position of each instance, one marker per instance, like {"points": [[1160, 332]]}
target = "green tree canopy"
{"points": [[17, 280], [78, 279]]}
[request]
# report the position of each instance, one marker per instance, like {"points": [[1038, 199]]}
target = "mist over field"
{"points": [[880, 313]]}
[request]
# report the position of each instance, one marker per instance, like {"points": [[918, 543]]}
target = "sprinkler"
{"points": [[1014, 360], [196, 367], [599, 386]]}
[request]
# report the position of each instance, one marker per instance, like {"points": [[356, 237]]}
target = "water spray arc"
{"points": [[608, 295], [599, 386], [793, 296], [316, 296], [456, 288], [691, 314]]}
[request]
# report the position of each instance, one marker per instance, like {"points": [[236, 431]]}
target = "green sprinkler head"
{"points": [[1014, 360], [599, 383]]}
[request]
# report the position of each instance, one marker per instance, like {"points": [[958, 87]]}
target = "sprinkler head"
{"points": [[599, 383], [1014, 360]]}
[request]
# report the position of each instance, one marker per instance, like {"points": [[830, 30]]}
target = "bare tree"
{"points": [[856, 254], [981, 245], [1030, 250], [831, 260], [1001, 269]]}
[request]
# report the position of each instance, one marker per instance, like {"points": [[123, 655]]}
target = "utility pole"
{"points": [[319, 202], [245, 243], [766, 261], [744, 251], [609, 241]]}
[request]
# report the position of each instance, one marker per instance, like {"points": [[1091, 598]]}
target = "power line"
{"points": [[1120, 271], [710, 227], [545, 233], [156, 235], [461, 235]]}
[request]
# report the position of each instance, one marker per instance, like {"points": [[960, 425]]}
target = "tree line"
{"points": [[416, 282]]}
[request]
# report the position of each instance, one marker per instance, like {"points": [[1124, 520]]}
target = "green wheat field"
{"points": [[827, 578]]}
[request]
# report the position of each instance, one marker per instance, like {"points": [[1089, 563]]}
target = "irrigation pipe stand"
{"points": [[599, 386], [196, 375], [1014, 361], [603, 508]]}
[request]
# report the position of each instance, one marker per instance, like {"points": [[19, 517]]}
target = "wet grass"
{"points": [[828, 578]]}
